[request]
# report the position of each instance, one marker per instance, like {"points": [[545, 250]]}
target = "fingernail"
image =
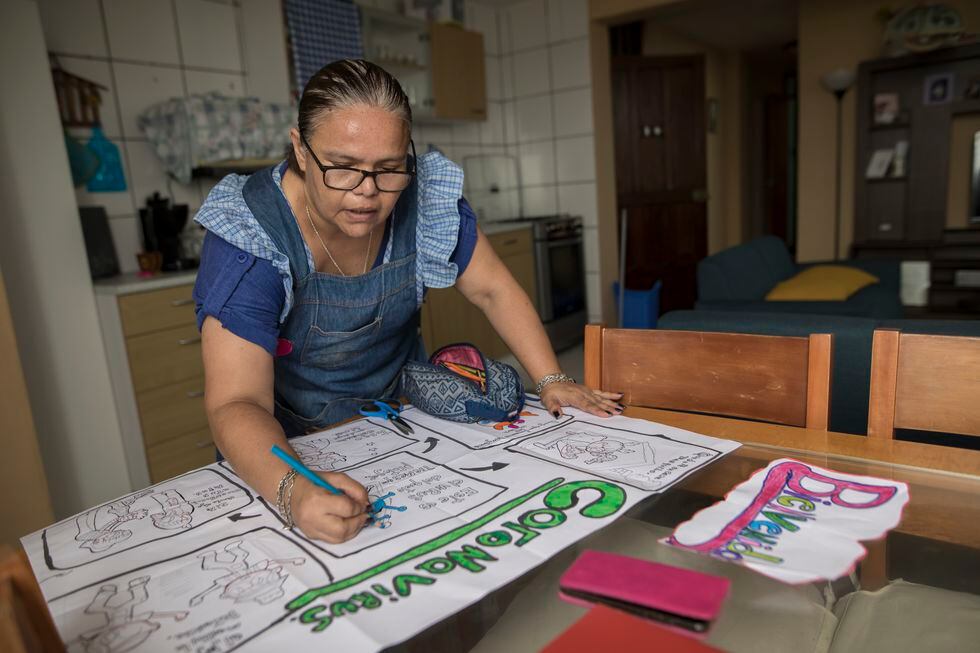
{"points": [[556, 414], [621, 406], [610, 413], [621, 393]]}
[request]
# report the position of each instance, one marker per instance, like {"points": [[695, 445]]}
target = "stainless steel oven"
{"points": [[560, 262]]}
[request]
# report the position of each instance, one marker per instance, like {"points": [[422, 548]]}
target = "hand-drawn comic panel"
{"points": [[164, 510], [649, 462], [421, 492], [210, 600], [534, 419], [348, 445]]}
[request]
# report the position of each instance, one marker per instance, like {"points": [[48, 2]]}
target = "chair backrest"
{"points": [[781, 379], [924, 382], [25, 623]]}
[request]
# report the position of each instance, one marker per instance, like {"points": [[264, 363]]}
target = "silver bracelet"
{"points": [[548, 379], [289, 504], [284, 495]]}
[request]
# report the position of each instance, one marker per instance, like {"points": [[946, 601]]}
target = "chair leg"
{"points": [[874, 567]]}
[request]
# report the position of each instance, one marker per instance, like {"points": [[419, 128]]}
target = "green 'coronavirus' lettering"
{"points": [[611, 498], [403, 583]]}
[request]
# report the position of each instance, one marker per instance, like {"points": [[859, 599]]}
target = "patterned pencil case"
{"points": [[462, 385]]}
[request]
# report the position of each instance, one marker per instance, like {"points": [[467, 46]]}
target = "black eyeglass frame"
{"points": [[364, 173]]}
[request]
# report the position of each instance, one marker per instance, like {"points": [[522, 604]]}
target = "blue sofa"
{"points": [[851, 379], [738, 279]]}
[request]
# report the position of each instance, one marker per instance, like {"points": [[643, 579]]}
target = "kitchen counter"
{"points": [[125, 284], [489, 228]]}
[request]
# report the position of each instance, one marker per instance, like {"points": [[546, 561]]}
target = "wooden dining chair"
{"points": [[779, 379], [924, 382], [25, 623]]}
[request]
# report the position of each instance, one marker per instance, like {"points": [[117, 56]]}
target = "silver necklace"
{"points": [[367, 254]]}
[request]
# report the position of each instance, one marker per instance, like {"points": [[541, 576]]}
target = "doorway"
{"points": [[771, 143], [659, 126]]}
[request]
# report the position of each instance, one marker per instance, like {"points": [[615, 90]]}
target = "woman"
{"points": [[299, 327]]}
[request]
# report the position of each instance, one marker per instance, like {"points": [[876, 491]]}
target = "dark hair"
{"points": [[346, 83]]}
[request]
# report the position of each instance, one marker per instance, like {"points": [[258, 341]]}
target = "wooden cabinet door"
{"points": [[451, 318], [448, 317], [459, 86]]}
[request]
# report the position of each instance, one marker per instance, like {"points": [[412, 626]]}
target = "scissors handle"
{"points": [[387, 410]]}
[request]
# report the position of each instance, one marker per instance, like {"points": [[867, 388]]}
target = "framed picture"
{"points": [[886, 108], [972, 90], [879, 163], [938, 89]]}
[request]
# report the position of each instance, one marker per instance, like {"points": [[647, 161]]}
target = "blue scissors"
{"points": [[387, 410]]}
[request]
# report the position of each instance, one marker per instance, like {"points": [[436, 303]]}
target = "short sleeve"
{"points": [[440, 188], [466, 240], [243, 292]]}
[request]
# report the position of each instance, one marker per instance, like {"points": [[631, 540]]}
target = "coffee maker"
{"points": [[162, 225]]}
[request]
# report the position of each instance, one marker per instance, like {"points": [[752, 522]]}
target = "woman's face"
{"points": [[364, 137]]}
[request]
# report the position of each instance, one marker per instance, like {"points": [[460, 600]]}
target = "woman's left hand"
{"points": [[576, 395]]}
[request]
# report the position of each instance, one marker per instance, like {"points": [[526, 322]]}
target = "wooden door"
{"points": [[658, 105]]}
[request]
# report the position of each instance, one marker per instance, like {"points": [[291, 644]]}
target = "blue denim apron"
{"points": [[350, 335]]}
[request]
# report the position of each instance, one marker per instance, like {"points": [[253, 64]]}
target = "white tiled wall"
{"points": [[546, 87], [145, 51], [539, 92]]}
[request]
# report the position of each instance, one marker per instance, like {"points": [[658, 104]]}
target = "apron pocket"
{"points": [[332, 349], [294, 424]]}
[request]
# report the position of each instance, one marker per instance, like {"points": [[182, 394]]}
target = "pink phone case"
{"points": [[672, 595]]}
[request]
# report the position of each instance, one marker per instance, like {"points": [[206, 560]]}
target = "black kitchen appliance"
{"points": [[162, 224], [102, 259], [560, 263]]}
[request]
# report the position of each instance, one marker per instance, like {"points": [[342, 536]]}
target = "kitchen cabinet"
{"points": [[154, 351], [448, 317], [440, 66]]}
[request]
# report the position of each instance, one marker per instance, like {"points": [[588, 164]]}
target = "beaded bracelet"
{"points": [[548, 379]]}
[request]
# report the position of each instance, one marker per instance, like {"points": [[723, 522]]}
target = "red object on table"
{"points": [[605, 629]]}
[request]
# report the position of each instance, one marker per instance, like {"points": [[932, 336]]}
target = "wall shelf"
{"points": [[880, 180], [218, 169], [889, 126], [914, 205]]}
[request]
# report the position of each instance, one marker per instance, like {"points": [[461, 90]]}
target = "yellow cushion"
{"points": [[826, 283]]}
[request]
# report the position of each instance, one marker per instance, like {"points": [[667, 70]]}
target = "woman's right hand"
{"points": [[333, 518]]}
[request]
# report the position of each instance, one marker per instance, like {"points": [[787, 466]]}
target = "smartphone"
{"points": [[670, 595]]}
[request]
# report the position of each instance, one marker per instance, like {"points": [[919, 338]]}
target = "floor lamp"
{"points": [[837, 82]]}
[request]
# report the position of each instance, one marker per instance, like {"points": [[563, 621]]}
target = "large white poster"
{"points": [[202, 563]]}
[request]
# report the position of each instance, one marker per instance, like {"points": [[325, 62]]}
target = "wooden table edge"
{"points": [[915, 455]]}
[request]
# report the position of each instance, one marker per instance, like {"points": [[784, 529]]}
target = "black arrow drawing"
{"points": [[494, 467], [432, 442], [239, 516]]}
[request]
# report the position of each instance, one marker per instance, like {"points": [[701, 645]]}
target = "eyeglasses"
{"points": [[347, 178]]}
